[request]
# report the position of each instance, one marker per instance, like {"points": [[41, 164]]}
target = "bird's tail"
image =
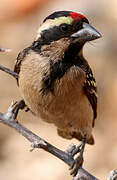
{"points": [[91, 140], [79, 137]]}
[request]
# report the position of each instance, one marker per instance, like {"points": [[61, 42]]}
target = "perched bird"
{"points": [[55, 80]]}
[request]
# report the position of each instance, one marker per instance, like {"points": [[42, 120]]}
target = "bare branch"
{"points": [[38, 142], [12, 73], [84, 175]]}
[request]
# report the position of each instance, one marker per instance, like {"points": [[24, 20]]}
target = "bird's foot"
{"points": [[76, 165], [76, 150], [78, 162], [13, 110], [16, 107]]}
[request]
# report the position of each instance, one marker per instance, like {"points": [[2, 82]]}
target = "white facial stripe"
{"points": [[49, 23]]}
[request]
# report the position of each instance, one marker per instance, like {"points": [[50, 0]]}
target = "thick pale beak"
{"points": [[87, 33]]}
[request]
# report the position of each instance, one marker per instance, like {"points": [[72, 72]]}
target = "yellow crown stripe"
{"points": [[61, 20]]}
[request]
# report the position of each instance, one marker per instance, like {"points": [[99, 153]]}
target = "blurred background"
{"points": [[19, 21]]}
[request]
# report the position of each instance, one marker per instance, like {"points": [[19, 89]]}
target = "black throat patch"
{"points": [[59, 68]]}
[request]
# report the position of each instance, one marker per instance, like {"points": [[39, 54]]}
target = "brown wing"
{"points": [[19, 59], [91, 91]]}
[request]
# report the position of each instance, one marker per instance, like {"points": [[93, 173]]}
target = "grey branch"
{"points": [[12, 73], [37, 142]]}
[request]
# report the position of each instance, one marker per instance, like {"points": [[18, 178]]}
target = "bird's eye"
{"points": [[64, 27]]}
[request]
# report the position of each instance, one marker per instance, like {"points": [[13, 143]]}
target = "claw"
{"points": [[16, 107], [77, 164], [79, 160], [77, 149]]}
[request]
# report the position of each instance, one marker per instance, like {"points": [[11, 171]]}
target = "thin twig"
{"points": [[4, 50], [12, 73], [5, 69]]}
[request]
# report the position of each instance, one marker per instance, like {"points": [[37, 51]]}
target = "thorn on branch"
{"points": [[37, 144]]}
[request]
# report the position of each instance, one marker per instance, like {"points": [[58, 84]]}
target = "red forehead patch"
{"points": [[76, 16]]}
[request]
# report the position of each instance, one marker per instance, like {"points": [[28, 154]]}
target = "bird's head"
{"points": [[66, 24]]}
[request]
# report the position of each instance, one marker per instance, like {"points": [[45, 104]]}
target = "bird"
{"points": [[55, 80]]}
